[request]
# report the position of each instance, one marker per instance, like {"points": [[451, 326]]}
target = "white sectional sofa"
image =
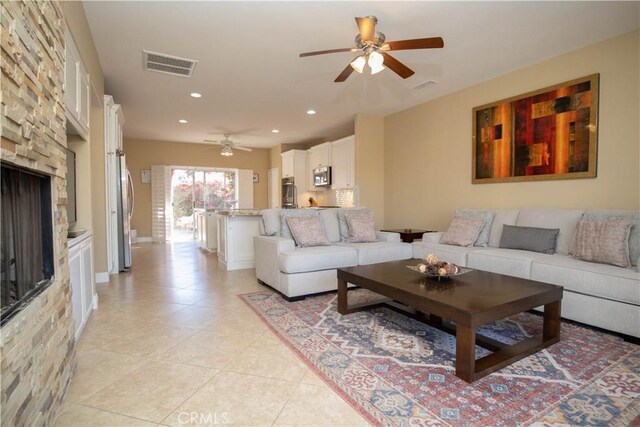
{"points": [[300, 271], [600, 295]]}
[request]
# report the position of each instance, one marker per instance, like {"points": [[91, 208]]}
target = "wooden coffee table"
{"points": [[470, 300]]}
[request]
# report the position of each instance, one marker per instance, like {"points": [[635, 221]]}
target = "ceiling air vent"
{"points": [[168, 64], [425, 84]]}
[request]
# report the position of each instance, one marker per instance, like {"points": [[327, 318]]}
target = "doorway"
{"points": [[194, 191]]}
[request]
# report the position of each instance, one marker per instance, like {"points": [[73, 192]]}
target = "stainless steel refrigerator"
{"points": [[125, 210]]}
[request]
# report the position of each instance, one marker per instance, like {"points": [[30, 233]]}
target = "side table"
{"points": [[408, 235]]}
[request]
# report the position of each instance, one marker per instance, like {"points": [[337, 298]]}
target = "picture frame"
{"points": [[550, 133], [256, 178]]}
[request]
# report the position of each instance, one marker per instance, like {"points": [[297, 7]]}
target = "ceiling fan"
{"points": [[228, 145], [374, 50]]}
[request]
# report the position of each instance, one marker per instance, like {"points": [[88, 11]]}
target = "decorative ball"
{"points": [[422, 268], [451, 269], [442, 271], [431, 259]]}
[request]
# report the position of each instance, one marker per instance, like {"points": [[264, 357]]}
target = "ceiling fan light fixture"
{"points": [[375, 62], [359, 63], [226, 151]]}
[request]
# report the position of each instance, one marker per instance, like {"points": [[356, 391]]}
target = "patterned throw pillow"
{"points": [[605, 242], [307, 231], [361, 228], [287, 213], [342, 220], [634, 235], [533, 239], [463, 231], [487, 216]]}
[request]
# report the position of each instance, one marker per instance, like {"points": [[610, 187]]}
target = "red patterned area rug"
{"points": [[398, 371]]}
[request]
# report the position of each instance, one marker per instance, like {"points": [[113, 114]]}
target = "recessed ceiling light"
{"points": [[311, 112], [196, 95], [275, 131], [183, 121]]}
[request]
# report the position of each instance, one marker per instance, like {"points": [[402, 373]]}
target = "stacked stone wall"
{"points": [[37, 345]]}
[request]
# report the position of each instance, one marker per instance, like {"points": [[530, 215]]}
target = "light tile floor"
{"points": [[172, 344]]}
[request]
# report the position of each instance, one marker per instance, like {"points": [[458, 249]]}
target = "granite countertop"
{"points": [[239, 212]]}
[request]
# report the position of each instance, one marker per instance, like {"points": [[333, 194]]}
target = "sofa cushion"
{"points": [[564, 219], [361, 227], [317, 258], [331, 224], [307, 231], [287, 213], [512, 262], [375, 252], [342, 221], [501, 218], [487, 216], [600, 280], [271, 221], [533, 239], [463, 231], [634, 236], [603, 241], [449, 253]]}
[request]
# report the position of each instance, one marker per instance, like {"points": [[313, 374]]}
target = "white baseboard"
{"points": [[102, 277], [144, 239]]}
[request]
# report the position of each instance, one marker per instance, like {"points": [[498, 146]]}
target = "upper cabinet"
{"points": [[343, 163], [294, 165], [318, 156], [76, 86]]}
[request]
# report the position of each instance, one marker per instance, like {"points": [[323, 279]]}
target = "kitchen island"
{"points": [[236, 228]]}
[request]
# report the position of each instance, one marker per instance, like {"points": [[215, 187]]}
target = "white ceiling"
{"points": [[252, 79]]}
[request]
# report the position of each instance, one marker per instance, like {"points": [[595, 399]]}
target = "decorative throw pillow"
{"points": [[342, 221], [529, 238], [605, 242], [307, 231], [463, 231], [487, 216], [361, 229], [634, 235], [287, 213]]}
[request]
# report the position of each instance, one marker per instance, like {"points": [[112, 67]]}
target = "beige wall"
{"points": [[141, 154], [427, 151], [90, 154], [369, 161]]}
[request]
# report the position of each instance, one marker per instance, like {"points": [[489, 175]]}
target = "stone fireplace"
{"points": [[37, 343]]}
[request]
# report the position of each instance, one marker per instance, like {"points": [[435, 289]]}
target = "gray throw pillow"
{"points": [[533, 239]]}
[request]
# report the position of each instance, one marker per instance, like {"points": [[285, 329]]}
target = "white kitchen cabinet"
{"points": [[343, 163], [83, 296], [76, 86], [318, 156], [294, 165]]}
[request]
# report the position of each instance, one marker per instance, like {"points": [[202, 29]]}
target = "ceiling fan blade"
{"points": [[428, 43], [396, 66], [344, 74], [212, 141], [367, 28], [322, 52], [236, 147]]}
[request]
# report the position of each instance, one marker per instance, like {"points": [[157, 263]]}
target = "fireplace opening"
{"points": [[26, 235]]}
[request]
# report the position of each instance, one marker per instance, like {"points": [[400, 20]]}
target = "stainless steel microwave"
{"points": [[322, 176]]}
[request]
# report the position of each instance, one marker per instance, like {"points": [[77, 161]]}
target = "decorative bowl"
{"points": [[432, 275]]}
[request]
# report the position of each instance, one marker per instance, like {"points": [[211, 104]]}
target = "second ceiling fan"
{"points": [[374, 50]]}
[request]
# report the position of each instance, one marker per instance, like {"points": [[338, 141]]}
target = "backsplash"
{"points": [[345, 198]]}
